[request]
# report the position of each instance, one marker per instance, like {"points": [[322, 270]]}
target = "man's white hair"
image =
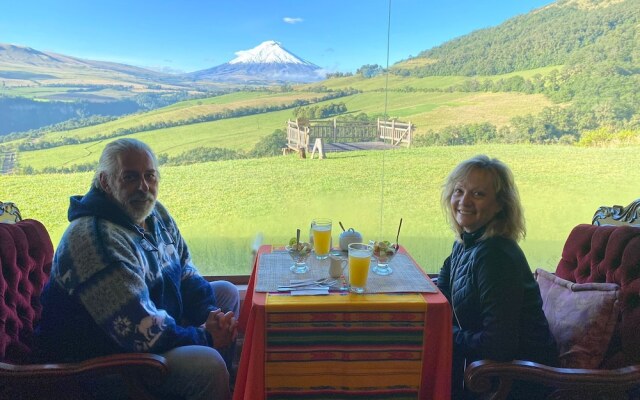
{"points": [[108, 163]]}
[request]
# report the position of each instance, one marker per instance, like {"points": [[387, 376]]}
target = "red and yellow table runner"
{"points": [[344, 346]]}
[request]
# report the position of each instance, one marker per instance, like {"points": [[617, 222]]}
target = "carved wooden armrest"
{"points": [[137, 369], [618, 215], [496, 378]]}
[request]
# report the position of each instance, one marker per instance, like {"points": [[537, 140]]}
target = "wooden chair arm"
{"points": [[135, 368], [496, 378]]}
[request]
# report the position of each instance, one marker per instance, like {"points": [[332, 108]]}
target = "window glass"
{"points": [[394, 92]]}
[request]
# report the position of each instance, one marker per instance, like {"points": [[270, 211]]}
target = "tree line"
{"points": [[227, 113], [269, 146], [320, 111], [22, 117], [526, 130]]}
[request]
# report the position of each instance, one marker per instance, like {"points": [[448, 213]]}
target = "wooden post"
{"points": [[307, 135], [393, 130], [300, 140], [288, 131], [319, 147]]}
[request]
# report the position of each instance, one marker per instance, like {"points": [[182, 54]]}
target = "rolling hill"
{"points": [[20, 65], [425, 110], [589, 84]]}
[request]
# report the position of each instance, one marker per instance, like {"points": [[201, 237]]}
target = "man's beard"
{"points": [[138, 206]]}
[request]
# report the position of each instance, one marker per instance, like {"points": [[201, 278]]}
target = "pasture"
{"points": [[426, 110], [221, 206]]}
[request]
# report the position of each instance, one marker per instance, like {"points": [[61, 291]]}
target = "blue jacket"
{"points": [[115, 287]]}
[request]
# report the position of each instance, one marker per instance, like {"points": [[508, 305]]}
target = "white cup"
{"points": [[336, 266]]}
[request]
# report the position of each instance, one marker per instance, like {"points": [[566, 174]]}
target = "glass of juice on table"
{"points": [[321, 229], [359, 263]]}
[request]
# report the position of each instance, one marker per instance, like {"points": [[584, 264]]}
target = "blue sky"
{"points": [[189, 35]]}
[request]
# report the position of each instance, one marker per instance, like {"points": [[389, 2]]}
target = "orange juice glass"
{"points": [[359, 263], [321, 228]]}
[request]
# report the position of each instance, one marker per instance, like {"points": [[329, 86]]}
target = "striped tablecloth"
{"points": [[344, 346], [347, 347]]}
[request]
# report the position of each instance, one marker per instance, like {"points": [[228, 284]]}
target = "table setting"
{"points": [[318, 269], [357, 320]]}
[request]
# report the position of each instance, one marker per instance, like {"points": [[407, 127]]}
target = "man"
{"points": [[122, 281]]}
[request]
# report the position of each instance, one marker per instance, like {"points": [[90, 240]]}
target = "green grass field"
{"points": [[221, 206]]}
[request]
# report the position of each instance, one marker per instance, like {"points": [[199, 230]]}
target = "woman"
{"points": [[497, 309]]}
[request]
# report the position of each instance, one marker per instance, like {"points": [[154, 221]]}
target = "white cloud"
{"points": [[290, 20]]}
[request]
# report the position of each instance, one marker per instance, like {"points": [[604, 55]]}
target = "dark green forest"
{"points": [[595, 45]]}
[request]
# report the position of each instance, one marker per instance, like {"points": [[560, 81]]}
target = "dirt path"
{"points": [[9, 163]]}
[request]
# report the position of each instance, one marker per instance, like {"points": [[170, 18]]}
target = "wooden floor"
{"points": [[337, 147]]}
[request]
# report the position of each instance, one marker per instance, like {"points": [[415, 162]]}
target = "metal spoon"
{"points": [[398, 235]]}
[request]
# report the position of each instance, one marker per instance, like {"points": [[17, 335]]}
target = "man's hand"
{"points": [[223, 328]]}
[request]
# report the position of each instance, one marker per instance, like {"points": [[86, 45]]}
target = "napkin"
{"points": [[310, 292]]}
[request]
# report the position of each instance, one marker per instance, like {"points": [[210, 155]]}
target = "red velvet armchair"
{"points": [[597, 282], [26, 254]]}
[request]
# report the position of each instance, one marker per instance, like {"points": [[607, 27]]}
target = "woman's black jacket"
{"points": [[496, 302]]}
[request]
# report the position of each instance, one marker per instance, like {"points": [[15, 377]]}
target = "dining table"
{"points": [[392, 342]]}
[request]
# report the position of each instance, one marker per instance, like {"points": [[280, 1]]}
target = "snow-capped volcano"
{"points": [[268, 62], [268, 52]]}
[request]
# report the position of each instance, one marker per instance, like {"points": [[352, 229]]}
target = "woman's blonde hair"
{"points": [[509, 222]]}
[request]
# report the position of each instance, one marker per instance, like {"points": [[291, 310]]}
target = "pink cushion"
{"points": [[609, 254], [582, 318], [26, 253]]}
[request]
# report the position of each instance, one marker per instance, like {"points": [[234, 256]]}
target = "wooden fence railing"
{"points": [[297, 135], [397, 132], [300, 133]]}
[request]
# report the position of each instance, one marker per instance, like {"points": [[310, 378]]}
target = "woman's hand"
{"points": [[223, 328]]}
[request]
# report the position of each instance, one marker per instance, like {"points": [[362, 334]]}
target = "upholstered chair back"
{"points": [[609, 254], [26, 254]]}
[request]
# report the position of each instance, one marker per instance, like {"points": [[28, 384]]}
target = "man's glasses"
{"points": [[146, 242]]}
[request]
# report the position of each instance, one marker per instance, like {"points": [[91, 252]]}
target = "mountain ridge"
{"points": [[267, 63], [475, 53], [24, 56], [550, 35]]}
